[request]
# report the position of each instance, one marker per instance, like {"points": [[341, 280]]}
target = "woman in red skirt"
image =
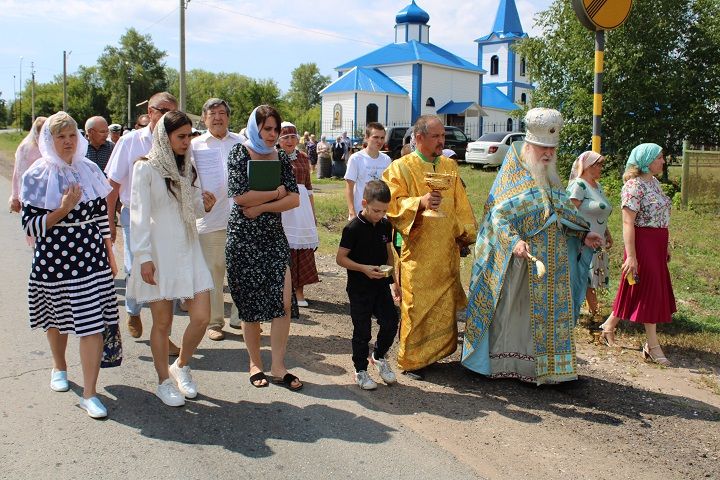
{"points": [[645, 293]]}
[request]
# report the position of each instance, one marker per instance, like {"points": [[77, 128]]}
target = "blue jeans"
{"points": [[131, 306]]}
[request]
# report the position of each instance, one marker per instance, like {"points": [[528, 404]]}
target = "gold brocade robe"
{"points": [[429, 259]]}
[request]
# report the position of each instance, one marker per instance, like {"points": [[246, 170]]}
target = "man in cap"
{"points": [[521, 313], [212, 148], [115, 132], [128, 149], [430, 257]]}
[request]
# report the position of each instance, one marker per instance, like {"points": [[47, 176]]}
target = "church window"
{"points": [[523, 66], [494, 65], [430, 102], [523, 98], [509, 125]]}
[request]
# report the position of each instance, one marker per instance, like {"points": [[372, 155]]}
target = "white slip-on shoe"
{"points": [[383, 368], [302, 303], [184, 379], [364, 381], [169, 394], [94, 407], [59, 381]]}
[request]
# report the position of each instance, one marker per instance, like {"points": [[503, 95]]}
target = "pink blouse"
{"points": [[646, 198]]}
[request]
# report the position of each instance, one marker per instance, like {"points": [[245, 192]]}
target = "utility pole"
{"points": [[129, 83], [21, 93], [65, 81], [183, 6], [32, 92]]}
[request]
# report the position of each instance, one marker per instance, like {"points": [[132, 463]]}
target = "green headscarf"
{"points": [[643, 155]]}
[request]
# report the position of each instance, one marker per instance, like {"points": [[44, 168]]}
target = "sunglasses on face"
{"points": [[161, 110]]}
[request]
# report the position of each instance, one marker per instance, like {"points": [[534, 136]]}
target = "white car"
{"points": [[490, 149]]}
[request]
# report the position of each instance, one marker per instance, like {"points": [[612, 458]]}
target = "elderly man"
{"points": [[115, 132], [99, 147], [520, 315], [210, 151], [430, 255], [142, 121], [129, 148]]}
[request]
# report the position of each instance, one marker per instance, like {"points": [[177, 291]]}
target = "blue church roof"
{"points": [[361, 79], [409, 52], [455, 107], [507, 22], [492, 97], [412, 14]]}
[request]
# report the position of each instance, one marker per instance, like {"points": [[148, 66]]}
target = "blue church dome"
{"points": [[412, 14]]}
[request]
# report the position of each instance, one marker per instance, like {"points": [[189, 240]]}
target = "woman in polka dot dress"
{"points": [[71, 282]]}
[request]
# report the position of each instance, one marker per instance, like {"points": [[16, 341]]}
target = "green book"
{"points": [[263, 175]]}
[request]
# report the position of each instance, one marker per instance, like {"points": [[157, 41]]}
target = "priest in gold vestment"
{"points": [[430, 254]]}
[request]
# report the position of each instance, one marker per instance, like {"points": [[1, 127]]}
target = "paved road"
{"points": [[231, 431]]}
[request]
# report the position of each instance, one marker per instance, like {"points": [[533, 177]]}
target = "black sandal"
{"points": [[258, 377], [287, 382]]}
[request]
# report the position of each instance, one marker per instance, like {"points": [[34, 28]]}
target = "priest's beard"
{"points": [[544, 174]]}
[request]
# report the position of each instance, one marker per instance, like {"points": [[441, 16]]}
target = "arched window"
{"points": [[522, 67], [523, 98], [371, 113], [509, 125], [494, 65], [430, 102]]}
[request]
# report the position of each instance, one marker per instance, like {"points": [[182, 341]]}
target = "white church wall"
{"points": [[497, 121], [445, 84], [400, 74], [398, 111], [501, 50], [347, 102]]}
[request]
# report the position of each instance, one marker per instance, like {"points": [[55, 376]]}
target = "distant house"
{"points": [[397, 83]]}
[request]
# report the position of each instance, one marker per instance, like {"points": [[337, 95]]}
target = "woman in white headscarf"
{"points": [[588, 196], [27, 152], [71, 286], [164, 203]]}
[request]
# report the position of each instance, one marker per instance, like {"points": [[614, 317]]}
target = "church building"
{"points": [[397, 83]]}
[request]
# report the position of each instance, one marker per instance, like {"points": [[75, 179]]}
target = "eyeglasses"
{"points": [[161, 110]]}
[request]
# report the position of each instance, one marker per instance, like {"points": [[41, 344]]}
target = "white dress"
{"points": [[157, 234]]}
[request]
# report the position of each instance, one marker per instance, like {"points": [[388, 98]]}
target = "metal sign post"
{"points": [[598, 16]]}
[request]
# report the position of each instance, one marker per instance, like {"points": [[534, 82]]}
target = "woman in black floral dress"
{"points": [[257, 251]]}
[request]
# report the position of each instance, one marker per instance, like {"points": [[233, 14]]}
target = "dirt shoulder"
{"points": [[622, 419]]}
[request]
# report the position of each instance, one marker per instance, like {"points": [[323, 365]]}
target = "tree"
{"points": [[241, 92], [646, 94], [3, 112], [305, 86], [136, 61]]}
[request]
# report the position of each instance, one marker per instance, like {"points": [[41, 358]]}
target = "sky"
{"points": [[265, 39]]}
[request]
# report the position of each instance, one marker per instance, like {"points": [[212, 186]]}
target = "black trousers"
{"points": [[363, 305]]}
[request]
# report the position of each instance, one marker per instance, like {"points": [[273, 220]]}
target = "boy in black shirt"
{"points": [[366, 244]]}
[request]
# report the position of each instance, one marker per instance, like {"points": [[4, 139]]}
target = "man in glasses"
{"points": [[99, 147], [129, 148], [142, 121]]}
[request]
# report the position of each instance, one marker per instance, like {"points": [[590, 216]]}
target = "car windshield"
{"points": [[492, 137]]}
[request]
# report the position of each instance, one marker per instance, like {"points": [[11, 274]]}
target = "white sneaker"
{"points": [[364, 381], [184, 380], [169, 394], [383, 368], [59, 381], [94, 407]]}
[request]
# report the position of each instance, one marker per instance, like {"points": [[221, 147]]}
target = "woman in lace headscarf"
{"points": [[71, 287], [164, 202], [27, 152]]}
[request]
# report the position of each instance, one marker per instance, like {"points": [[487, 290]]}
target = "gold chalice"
{"points": [[438, 182]]}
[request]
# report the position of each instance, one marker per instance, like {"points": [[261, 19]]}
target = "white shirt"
{"points": [[217, 218], [361, 168], [129, 148]]}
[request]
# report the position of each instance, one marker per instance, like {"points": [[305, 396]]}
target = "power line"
{"points": [[161, 19], [288, 25]]}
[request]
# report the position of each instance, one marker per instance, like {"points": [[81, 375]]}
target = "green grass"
{"points": [[9, 142], [694, 268]]}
